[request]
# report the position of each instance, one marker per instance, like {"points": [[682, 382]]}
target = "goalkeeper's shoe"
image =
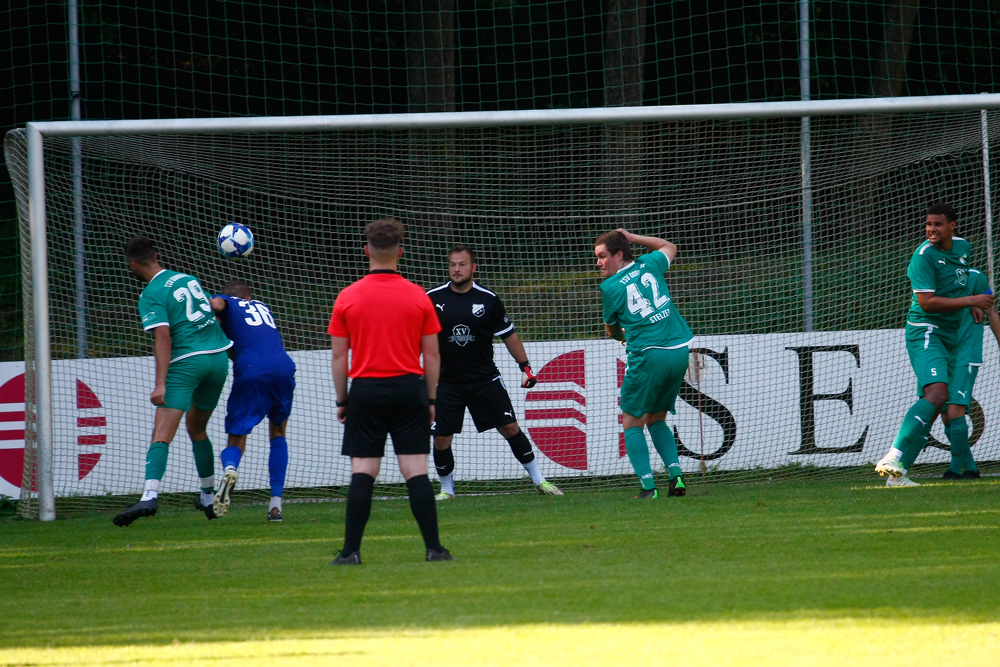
{"points": [[951, 474], [438, 554], [890, 466], [902, 480], [444, 495], [353, 558], [137, 511], [648, 493], [202, 507], [274, 515], [677, 487], [547, 488], [971, 474], [224, 495]]}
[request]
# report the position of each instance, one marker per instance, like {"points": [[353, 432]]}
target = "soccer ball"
{"points": [[235, 240]]}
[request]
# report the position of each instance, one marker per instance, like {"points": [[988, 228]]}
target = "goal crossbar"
{"points": [[37, 131]]}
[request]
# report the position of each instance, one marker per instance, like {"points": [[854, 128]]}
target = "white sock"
{"points": [[207, 498], [207, 482], [536, 474], [894, 454], [275, 502], [151, 490], [448, 483]]}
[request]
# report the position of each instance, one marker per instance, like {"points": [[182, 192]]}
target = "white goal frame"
{"points": [[36, 132]]}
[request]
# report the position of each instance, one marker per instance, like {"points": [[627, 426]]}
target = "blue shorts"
{"points": [[254, 398]]}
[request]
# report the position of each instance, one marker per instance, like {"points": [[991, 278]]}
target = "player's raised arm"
{"points": [[652, 243]]}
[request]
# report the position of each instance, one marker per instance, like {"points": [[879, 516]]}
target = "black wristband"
{"points": [[342, 404], [523, 364], [430, 401]]}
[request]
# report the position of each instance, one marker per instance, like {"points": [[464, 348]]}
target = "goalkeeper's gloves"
{"points": [[529, 379]]}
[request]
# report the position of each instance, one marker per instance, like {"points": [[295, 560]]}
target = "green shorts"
{"points": [[960, 387], [932, 352], [653, 378], [196, 381]]}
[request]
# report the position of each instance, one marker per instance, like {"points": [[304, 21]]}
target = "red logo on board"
{"points": [[566, 443], [91, 426]]}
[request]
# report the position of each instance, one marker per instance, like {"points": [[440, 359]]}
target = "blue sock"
{"points": [[277, 465], [231, 456]]}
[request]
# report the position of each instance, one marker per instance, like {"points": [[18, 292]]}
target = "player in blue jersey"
{"points": [[939, 276], [639, 312], [263, 384]]}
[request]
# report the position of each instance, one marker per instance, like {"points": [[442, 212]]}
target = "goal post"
{"points": [[530, 190]]}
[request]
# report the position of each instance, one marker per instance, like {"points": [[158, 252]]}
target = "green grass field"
{"points": [[820, 573]]}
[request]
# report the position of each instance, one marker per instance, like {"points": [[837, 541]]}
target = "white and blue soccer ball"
{"points": [[235, 240]]}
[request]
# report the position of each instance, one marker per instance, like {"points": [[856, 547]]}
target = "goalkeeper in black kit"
{"points": [[471, 317]]}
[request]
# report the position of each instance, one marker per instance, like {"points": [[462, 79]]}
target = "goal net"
{"points": [[797, 297]]}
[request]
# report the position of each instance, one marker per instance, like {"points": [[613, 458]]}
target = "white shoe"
{"points": [[444, 495], [547, 488], [223, 496], [902, 480], [890, 466]]}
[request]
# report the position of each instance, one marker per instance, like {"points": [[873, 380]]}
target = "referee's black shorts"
{"points": [[487, 400], [395, 406]]}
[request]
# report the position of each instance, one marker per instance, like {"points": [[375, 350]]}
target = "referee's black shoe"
{"points": [[438, 554], [353, 558], [137, 511]]}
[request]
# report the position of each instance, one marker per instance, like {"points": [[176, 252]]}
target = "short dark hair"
{"points": [[237, 288], [384, 233], [461, 247], [940, 208], [615, 242], [140, 249]]}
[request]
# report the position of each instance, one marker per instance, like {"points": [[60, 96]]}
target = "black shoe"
{"points": [[137, 511], [274, 515], [951, 474], [648, 493], [201, 507], [971, 474], [677, 487], [441, 554], [353, 558]]}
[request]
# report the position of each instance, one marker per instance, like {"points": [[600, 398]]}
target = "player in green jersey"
{"points": [[639, 312], [939, 276], [969, 357], [191, 369]]}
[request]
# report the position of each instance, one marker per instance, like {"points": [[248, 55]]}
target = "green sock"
{"points": [[916, 426], [156, 460], [957, 431], [638, 456], [666, 446], [204, 461]]}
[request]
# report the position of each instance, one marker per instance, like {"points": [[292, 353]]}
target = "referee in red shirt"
{"points": [[387, 322]]}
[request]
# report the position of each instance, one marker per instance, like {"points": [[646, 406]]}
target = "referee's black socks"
{"points": [[359, 508], [424, 510]]}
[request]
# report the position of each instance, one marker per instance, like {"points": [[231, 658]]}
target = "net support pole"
{"points": [[987, 197], [40, 310], [806, 149], [78, 230]]}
